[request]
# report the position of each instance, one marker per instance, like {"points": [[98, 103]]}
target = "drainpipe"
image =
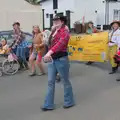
{"points": [[43, 13], [107, 12]]}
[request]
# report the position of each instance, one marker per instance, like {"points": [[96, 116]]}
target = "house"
{"points": [[101, 12], [21, 11]]}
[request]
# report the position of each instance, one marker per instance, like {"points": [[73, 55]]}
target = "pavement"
{"points": [[97, 95]]}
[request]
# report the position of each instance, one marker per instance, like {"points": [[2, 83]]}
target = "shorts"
{"points": [[37, 56]]}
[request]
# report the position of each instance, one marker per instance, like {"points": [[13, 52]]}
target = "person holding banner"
{"points": [[57, 58], [90, 30], [114, 44]]}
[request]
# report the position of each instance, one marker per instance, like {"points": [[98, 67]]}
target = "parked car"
{"points": [[9, 36]]}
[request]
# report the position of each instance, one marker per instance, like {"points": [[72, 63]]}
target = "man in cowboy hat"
{"points": [[115, 22], [19, 45], [114, 43], [57, 58]]}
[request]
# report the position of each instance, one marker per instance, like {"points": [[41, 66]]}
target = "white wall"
{"points": [[87, 8], [26, 19], [81, 8], [67, 5], [47, 6], [21, 11], [63, 6]]}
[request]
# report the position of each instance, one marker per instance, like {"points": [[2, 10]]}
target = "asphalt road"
{"points": [[97, 95]]}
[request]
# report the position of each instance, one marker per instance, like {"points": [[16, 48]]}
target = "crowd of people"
{"points": [[114, 43], [52, 49]]}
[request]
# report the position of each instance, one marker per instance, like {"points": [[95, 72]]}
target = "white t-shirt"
{"points": [[115, 38]]}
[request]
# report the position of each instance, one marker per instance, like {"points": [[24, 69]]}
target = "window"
{"points": [[55, 4], [47, 15], [55, 12], [116, 15]]}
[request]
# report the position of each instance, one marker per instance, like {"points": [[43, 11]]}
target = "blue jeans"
{"points": [[62, 67], [22, 53]]}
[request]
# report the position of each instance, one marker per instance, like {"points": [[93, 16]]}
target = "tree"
{"points": [[34, 2], [111, 0]]}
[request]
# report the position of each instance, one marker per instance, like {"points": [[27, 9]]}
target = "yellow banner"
{"points": [[89, 47]]}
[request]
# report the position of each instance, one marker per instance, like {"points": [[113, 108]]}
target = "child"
{"points": [[4, 47]]}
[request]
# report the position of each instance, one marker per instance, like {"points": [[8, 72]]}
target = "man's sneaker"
{"points": [[67, 107], [118, 80], [89, 63], [41, 74], [32, 74], [46, 109], [114, 70]]}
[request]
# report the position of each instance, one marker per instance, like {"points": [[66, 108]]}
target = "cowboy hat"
{"points": [[16, 23], [118, 22], [62, 18], [90, 22]]}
